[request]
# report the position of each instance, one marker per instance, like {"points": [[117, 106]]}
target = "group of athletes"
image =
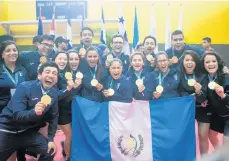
{"points": [[37, 87]]}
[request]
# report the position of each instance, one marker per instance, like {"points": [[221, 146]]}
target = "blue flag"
{"points": [[136, 33], [40, 25], [161, 130], [103, 31]]}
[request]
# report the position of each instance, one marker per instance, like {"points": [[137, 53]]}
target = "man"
{"points": [[36, 41], [178, 47], [33, 104], [149, 45], [32, 59], [117, 42], [140, 47], [206, 44], [61, 44]]}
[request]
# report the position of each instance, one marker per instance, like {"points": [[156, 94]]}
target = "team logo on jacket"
{"points": [[129, 145]]}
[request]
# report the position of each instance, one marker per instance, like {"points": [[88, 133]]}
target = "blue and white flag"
{"points": [[136, 33], [122, 31], [161, 130], [103, 30]]}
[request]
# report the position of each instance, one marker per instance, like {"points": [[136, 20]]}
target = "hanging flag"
{"points": [[136, 33], [180, 24], [103, 30], [153, 26], [53, 25], [83, 16], [167, 30], [160, 130], [69, 32], [40, 25], [122, 31]]}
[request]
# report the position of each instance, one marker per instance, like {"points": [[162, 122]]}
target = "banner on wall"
{"points": [[74, 9]]}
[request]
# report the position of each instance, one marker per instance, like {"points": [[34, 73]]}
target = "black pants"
{"points": [[29, 140]]}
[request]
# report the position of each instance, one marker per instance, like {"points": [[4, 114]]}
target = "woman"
{"points": [[11, 72], [167, 80], [117, 87], [141, 84], [217, 95], [11, 75], [94, 76], [67, 92], [195, 82]]}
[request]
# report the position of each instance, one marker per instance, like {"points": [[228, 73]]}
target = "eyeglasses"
{"points": [[178, 39], [47, 45]]}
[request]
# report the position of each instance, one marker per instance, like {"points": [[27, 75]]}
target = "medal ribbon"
{"points": [[14, 80]]}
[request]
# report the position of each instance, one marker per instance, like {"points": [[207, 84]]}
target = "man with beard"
{"points": [[175, 53], [30, 60], [149, 45], [33, 104], [117, 42]]}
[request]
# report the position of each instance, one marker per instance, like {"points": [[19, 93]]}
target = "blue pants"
{"points": [[29, 140]]}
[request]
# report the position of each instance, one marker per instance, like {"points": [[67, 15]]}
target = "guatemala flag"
{"points": [[136, 33], [161, 130]]}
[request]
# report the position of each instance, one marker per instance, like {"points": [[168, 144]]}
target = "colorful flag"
{"points": [[103, 30], [40, 24], [53, 25], [139, 131], [122, 31], [136, 33]]}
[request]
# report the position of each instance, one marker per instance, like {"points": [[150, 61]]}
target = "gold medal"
{"points": [[68, 75], [82, 51], [46, 99], [159, 89], [211, 85], [109, 57], [43, 60], [149, 57], [139, 82], [174, 60], [79, 75], [94, 82], [191, 82], [111, 92]]}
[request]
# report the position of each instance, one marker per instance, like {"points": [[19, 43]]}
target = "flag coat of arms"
{"points": [[161, 130]]}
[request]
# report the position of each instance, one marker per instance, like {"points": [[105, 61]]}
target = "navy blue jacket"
{"points": [[6, 84], [186, 90], [148, 66], [20, 115], [122, 88], [30, 60], [218, 105], [170, 84], [171, 52], [148, 83], [90, 92], [124, 58]]}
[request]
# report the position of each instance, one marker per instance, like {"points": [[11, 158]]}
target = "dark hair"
{"points": [[46, 37], [3, 46], [139, 45], [196, 59], [176, 32], [48, 64], [161, 53], [150, 37], [99, 64], [221, 63], [61, 52], [72, 51], [86, 28], [36, 39], [116, 35], [208, 39]]}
